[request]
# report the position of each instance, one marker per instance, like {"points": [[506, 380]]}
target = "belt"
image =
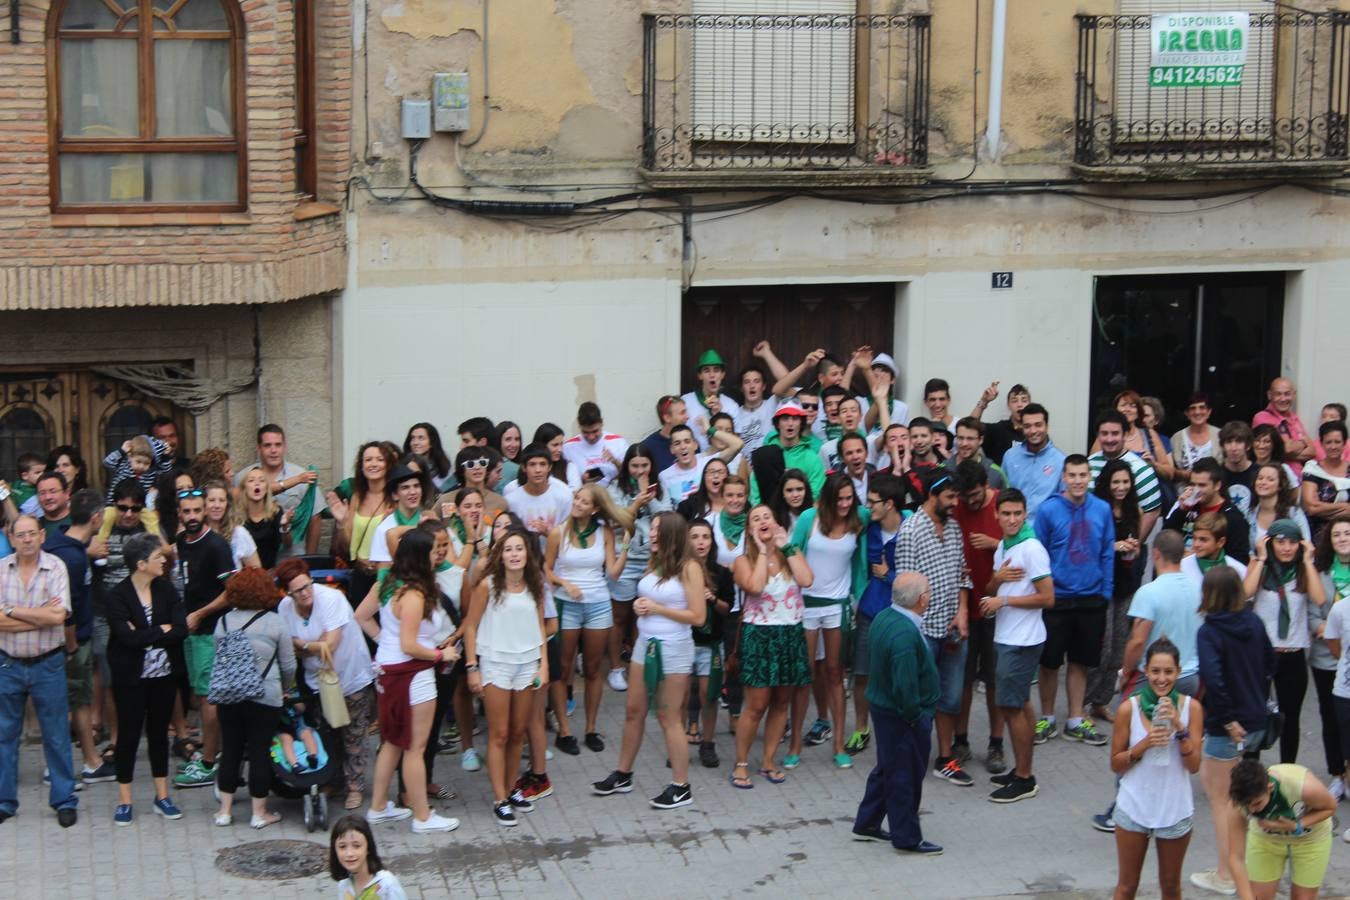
{"points": [[34, 660]]}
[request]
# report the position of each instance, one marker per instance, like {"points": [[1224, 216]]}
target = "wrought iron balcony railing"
{"points": [[1284, 106], [763, 94]]}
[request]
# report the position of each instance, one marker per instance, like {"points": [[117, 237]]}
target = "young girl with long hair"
{"points": [[552, 437], [637, 489], [772, 648], [1116, 486], [832, 536], [719, 594], [424, 440], [670, 602], [407, 653], [266, 522], [358, 518], [1274, 496], [225, 519], [355, 864], [504, 635], [793, 497], [578, 558], [706, 502]]}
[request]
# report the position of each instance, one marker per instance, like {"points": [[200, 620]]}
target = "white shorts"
{"points": [[822, 617], [508, 676], [677, 654], [422, 688]]}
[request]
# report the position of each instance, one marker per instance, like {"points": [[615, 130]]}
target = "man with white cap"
{"points": [[703, 403], [1000, 436], [884, 372]]}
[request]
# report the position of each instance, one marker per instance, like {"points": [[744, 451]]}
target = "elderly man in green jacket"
{"points": [[902, 689]]}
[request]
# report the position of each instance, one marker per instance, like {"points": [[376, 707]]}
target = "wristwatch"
{"points": [[9, 611], [471, 667]]}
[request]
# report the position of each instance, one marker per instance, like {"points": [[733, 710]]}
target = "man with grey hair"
{"points": [[902, 690]]}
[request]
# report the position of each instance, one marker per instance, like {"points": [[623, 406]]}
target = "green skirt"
{"points": [[774, 656]]}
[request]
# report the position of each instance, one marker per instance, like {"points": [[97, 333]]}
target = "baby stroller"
{"points": [[306, 782]]}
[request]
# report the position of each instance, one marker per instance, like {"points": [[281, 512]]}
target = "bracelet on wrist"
{"points": [[471, 667]]}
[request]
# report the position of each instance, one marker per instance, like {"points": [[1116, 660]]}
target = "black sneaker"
{"points": [[520, 802], [504, 815], [568, 744], [616, 783], [66, 817], [673, 797], [1018, 789], [594, 742], [952, 773], [707, 754], [1005, 779]]}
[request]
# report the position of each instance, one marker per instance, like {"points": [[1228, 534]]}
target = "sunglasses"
{"points": [[810, 406], [191, 492], [129, 509], [480, 463]]}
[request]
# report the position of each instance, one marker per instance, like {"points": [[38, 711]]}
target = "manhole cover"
{"points": [[274, 859]]}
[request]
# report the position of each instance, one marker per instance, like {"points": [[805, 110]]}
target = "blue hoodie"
{"points": [[1236, 665], [74, 555], [1081, 541], [877, 595]]}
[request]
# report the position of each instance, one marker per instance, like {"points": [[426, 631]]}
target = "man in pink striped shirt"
{"points": [[1280, 412], [34, 609]]}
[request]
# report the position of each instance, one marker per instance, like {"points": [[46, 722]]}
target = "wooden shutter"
{"points": [[773, 83], [1185, 109]]}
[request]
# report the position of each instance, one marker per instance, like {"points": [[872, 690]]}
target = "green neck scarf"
{"points": [[715, 676], [1148, 699], [732, 526], [584, 534], [445, 566], [1026, 534], [1278, 807], [1206, 564], [457, 526], [833, 432], [652, 671], [1340, 577], [388, 586], [701, 397], [406, 521], [1277, 578]]}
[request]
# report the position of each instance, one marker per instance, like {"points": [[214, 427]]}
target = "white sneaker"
{"points": [[434, 822], [1346, 837], [1337, 788], [617, 680], [469, 762], [1210, 881], [390, 813]]}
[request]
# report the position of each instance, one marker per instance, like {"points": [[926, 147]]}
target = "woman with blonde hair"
{"points": [[224, 518], [262, 517], [580, 553]]}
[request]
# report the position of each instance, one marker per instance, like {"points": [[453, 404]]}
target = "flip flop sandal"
{"points": [[184, 748], [437, 792], [694, 737], [743, 783], [773, 776]]}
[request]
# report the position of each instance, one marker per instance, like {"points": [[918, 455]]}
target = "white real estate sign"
{"points": [[1198, 49]]}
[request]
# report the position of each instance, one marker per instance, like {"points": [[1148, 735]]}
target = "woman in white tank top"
{"points": [[579, 554], [1155, 749], [504, 641], [670, 602]]}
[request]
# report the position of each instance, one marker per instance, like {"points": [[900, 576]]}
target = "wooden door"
{"points": [[794, 319], [43, 410]]}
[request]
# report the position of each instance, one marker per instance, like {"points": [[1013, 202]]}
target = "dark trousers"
{"points": [[1291, 685], [1335, 743], [145, 705], [246, 727], [895, 784]]}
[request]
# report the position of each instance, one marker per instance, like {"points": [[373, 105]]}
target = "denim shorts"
{"points": [[1014, 671], [575, 614], [624, 588], [1222, 747], [1170, 833], [951, 666], [703, 661]]}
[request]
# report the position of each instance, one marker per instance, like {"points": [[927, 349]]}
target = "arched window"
{"points": [[22, 430], [125, 423], [149, 104]]}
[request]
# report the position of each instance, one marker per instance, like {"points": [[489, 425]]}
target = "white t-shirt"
{"points": [[553, 506], [1014, 625], [754, 425], [385, 885], [584, 456], [822, 420], [379, 543], [677, 483], [242, 545], [699, 417], [831, 562], [726, 556], [331, 611], [1338, 629], [1191, 569]]}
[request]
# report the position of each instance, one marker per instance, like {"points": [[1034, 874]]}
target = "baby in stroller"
{"points": [[296, 746]]}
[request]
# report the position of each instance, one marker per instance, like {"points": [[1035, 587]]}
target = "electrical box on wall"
{"points": [[416, 119], [450, 100]]}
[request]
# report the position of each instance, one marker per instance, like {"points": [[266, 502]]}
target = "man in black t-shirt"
{"points": [[1239, 472], [1000, 436], [203, 559]]}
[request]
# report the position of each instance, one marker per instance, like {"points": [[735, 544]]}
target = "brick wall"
{"points": [[277, 250]]}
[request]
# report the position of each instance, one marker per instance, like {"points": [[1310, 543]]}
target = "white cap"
{"points": [[790, 407], [884, 359]]}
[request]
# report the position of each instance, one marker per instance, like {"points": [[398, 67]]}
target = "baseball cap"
{"points": [[789, 408], [884, 359]]}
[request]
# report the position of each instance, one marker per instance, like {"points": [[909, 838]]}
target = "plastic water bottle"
{"points": [[1162, 719]]}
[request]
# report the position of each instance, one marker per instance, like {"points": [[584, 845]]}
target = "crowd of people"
{"points": [[767, 555]]}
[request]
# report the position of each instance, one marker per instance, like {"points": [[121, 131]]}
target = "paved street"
{"points": [[788, 840]]}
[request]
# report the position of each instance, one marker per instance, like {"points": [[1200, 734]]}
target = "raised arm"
{"points": [[783, 386], [763, 351]]}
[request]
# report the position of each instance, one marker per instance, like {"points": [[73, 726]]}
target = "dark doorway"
{"points": [[794, 319], [1170, 335]]}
